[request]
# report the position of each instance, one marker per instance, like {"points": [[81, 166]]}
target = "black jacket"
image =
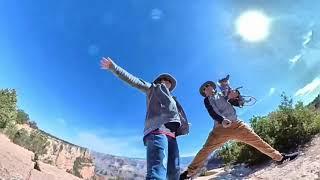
{"points": [[210, 110]]}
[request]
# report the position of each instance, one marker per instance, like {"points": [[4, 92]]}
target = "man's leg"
{"points": [[157, 145], [173, 166], [217, 137], [246, 135]]}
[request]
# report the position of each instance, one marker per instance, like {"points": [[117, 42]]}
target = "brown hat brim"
{"points": [[172, 80], [201, 89]]}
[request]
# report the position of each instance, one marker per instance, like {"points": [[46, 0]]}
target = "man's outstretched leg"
{"points": [[248, 136], [216, 139]]}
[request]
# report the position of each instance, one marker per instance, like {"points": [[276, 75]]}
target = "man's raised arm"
{"points": [[108, 64]]}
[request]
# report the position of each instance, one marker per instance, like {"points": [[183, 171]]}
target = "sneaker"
{"points": [[288, 157], [184, 176]]}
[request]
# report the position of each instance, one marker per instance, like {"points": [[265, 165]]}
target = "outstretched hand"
{"points": [[106, 63]]}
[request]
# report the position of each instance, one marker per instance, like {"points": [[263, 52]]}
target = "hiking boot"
{"points": [[288, 157], [184, 176]]}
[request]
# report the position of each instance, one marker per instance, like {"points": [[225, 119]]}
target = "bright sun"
{"points": [[253, 26]]}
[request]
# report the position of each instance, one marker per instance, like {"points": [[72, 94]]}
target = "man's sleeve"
{"points": [[212, 113], [130, 79]]}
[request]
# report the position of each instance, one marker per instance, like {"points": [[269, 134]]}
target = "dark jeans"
{"points": [[162, 157]]}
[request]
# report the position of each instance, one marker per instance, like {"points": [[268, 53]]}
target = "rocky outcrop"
{"points": [[306, 166], [16, 163], [111, 167], [108, 166], [64, 155], [69, 157]]}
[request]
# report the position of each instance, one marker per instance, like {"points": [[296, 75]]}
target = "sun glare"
{"points": [[253, 26]]}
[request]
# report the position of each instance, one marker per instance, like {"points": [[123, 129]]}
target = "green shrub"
{"points": [[10, 130], [33, 124], [284, 129], [22, 117], [77, 165], [22, 138], [38, 142], [8, 111], [35, 141], [9, 116]]}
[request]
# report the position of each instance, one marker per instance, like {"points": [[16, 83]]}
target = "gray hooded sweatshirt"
{"points": [[162, 107]]}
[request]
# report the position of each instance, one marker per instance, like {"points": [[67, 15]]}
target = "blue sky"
{"points": [[50, 53]]}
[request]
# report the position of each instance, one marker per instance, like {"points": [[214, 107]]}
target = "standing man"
{"points": [[165, 120], [227, 127]]}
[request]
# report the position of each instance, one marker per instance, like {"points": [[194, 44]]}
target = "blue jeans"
{"points": [[162, 157]]}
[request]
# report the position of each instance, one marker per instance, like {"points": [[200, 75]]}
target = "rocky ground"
{"points": [[306, 166], [16, 164]]}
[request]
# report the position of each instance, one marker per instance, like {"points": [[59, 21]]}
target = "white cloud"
{"points": [[130, 146], [188, 154], [156, 14], [309, 91], [272, 91], [307, 38], [309, 88], [295, 59]]}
